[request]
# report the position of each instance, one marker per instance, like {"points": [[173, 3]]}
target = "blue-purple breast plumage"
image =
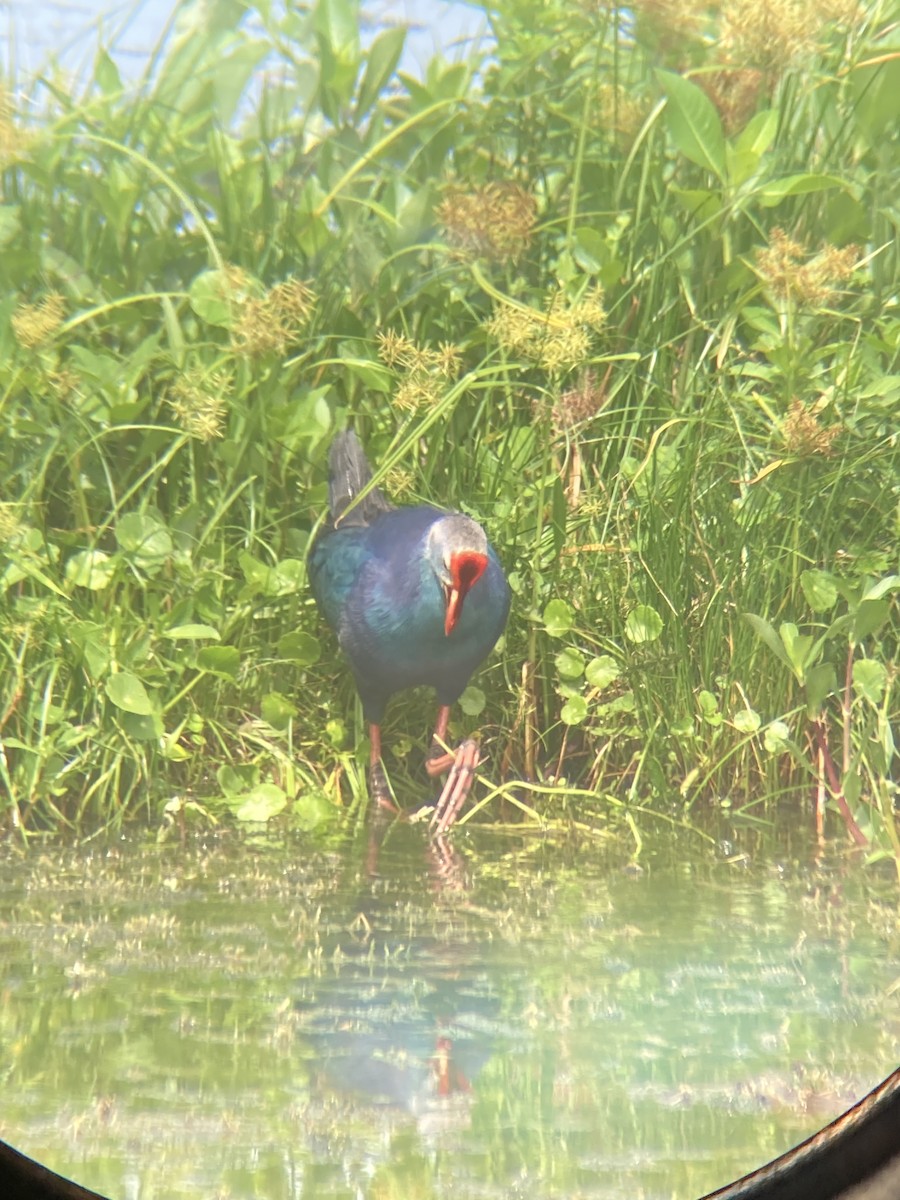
{"points": [[385, 579]]}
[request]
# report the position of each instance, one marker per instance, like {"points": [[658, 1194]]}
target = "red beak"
{"points": [[466, 568]]}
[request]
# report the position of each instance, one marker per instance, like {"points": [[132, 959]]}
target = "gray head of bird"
{"points": [[458, 553]]}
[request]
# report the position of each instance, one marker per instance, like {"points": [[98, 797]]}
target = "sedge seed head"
{"points": [[399, 481], [417, 391], [271, 323], [577, 404], [769, 34], [786, 270], [11, 524], [557, 339], [423, 371], [35, 324], [199, 401], [495, 221], [804, 433]]}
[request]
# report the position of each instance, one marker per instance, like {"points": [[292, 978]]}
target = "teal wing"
{"points": [[334, 565]]}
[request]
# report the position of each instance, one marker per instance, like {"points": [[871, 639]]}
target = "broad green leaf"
{"points": [[746, 720], [219, 660], [774, 192], [259, 575], [233, 76], [694, 123], [337, 22], [869, 618], [701, 204], [211, 298], [777, 737], [797, 646], [144, 539], [106, 74], [820, 590], [601, 672], [92, 569], [590, 249], [643, 624], [764, 630], [758, 134], [235, 780], [173, 750], [311, 809], [299, 647], [287, 576], [92, 642], [819, 682], [381, 62], [558, 618], [266, 800], [128, 693], [869, 679], [277, 709], [709, 708], [574, 711], [472, 701], [336, 732], [190, 632], [291, 575], [570, 663], [742, 165], [890, 583], [142, 727]]}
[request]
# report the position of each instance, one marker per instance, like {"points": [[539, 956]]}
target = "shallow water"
{"points": [[506, 1019]]}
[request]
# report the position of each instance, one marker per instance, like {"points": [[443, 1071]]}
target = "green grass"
{"points": [[201, 281]]}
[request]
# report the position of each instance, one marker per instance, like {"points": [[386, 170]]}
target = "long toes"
{"points": [[456, 789], [439, 760]]}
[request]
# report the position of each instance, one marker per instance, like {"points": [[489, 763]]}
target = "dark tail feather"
{"points": [[349, 474]]}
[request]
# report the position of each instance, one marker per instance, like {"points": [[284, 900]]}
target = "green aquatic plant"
{"points": [[623, 290]]}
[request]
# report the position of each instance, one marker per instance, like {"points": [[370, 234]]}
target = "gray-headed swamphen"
{"points": [[416, 596]]}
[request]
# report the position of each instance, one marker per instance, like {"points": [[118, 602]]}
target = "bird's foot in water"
{"points": [[380, 790], [462, 765]]}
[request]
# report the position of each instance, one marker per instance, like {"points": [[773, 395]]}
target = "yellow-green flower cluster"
{"points": [[269, 324], [10, 520], [577, 404], [424, 372], [556, 339], [772, 34], [805, 435], [494, 221], [782, 268], [199, 402], [35, 324]]}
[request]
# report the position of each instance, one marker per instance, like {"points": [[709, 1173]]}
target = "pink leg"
{"points": [[378, 785], [440, 759]]}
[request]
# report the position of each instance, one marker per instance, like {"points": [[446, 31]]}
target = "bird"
{"points": [[416, 596]]}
